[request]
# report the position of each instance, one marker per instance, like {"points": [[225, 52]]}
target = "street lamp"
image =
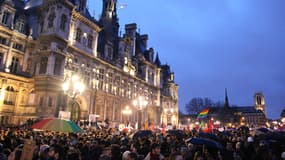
{"points": [[140, 103], [127, 111], [73, 87]]}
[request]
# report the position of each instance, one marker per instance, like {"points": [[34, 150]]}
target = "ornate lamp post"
{"points": [[127, 111], [140, 103], [73, 87]]}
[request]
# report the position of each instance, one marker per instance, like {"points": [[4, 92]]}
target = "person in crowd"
{"points": [[154, 153]]}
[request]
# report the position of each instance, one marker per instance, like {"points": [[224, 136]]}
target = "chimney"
{"points": [[144, 39], [130, 29]]}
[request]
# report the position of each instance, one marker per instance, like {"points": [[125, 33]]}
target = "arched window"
{"points": [[14, 65], [63, 21], [10, 96], [20, 25], [78, 35], [90, 41], [51, 17], [24, 97]]}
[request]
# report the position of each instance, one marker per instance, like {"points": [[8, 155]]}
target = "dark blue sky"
{"points": [[213, 45]]}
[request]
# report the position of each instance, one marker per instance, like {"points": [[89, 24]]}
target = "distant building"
{"points": [[241, 115], [43, 43]]}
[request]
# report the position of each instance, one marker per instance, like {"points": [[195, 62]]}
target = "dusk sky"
{"points": [[212, 45]]}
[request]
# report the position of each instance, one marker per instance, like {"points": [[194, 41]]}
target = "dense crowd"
{"points": [[111, 144]]}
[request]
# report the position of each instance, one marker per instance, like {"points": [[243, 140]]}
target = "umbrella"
{"points": [[210, 136], [206, 142], [142, 133], [55, 124], [175, 132], [261, 131]]}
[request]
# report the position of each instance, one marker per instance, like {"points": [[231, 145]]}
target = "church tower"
{"points": [[108, 37], [259, 103]]}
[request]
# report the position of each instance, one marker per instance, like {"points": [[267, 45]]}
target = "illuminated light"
{"points": [[85, 35], [165, 110]]}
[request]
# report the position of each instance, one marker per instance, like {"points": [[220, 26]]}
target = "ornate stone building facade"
{"points": [[44, 42]]}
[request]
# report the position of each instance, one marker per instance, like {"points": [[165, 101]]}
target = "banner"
{"points": [[64, 115], [92, 117]]}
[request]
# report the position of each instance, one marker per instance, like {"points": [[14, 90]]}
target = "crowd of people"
{"points": [[112, 144]]}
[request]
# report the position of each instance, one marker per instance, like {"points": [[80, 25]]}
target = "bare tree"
{"points": [[197, 104], [194, 106]]}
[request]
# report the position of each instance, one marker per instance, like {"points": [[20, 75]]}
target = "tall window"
{"points": [[29, 65], [51, 17], [14, 65], [43, 65], [42, 26], [20, 25], [1, 59], [57, 66], [78, 35], [3, 40], [10, 96], [258, 99], [90, 41], [41, 102], [110, 83], [63, 21], [5, 17], [50, 101], [101, 79]]}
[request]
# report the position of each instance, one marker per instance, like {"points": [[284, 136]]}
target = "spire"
{"points": [[226, 99], [157, 61]]}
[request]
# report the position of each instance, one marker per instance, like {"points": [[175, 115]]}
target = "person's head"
{"points": [[176, 156], [133, 148], [155, 148], [55, 151], [125, 155], [168, 139]]}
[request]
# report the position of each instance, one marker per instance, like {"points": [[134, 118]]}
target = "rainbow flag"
{"points": [[203, 113]]}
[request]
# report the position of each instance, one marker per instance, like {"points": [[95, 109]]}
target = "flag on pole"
{"points": [[203, 113]]}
